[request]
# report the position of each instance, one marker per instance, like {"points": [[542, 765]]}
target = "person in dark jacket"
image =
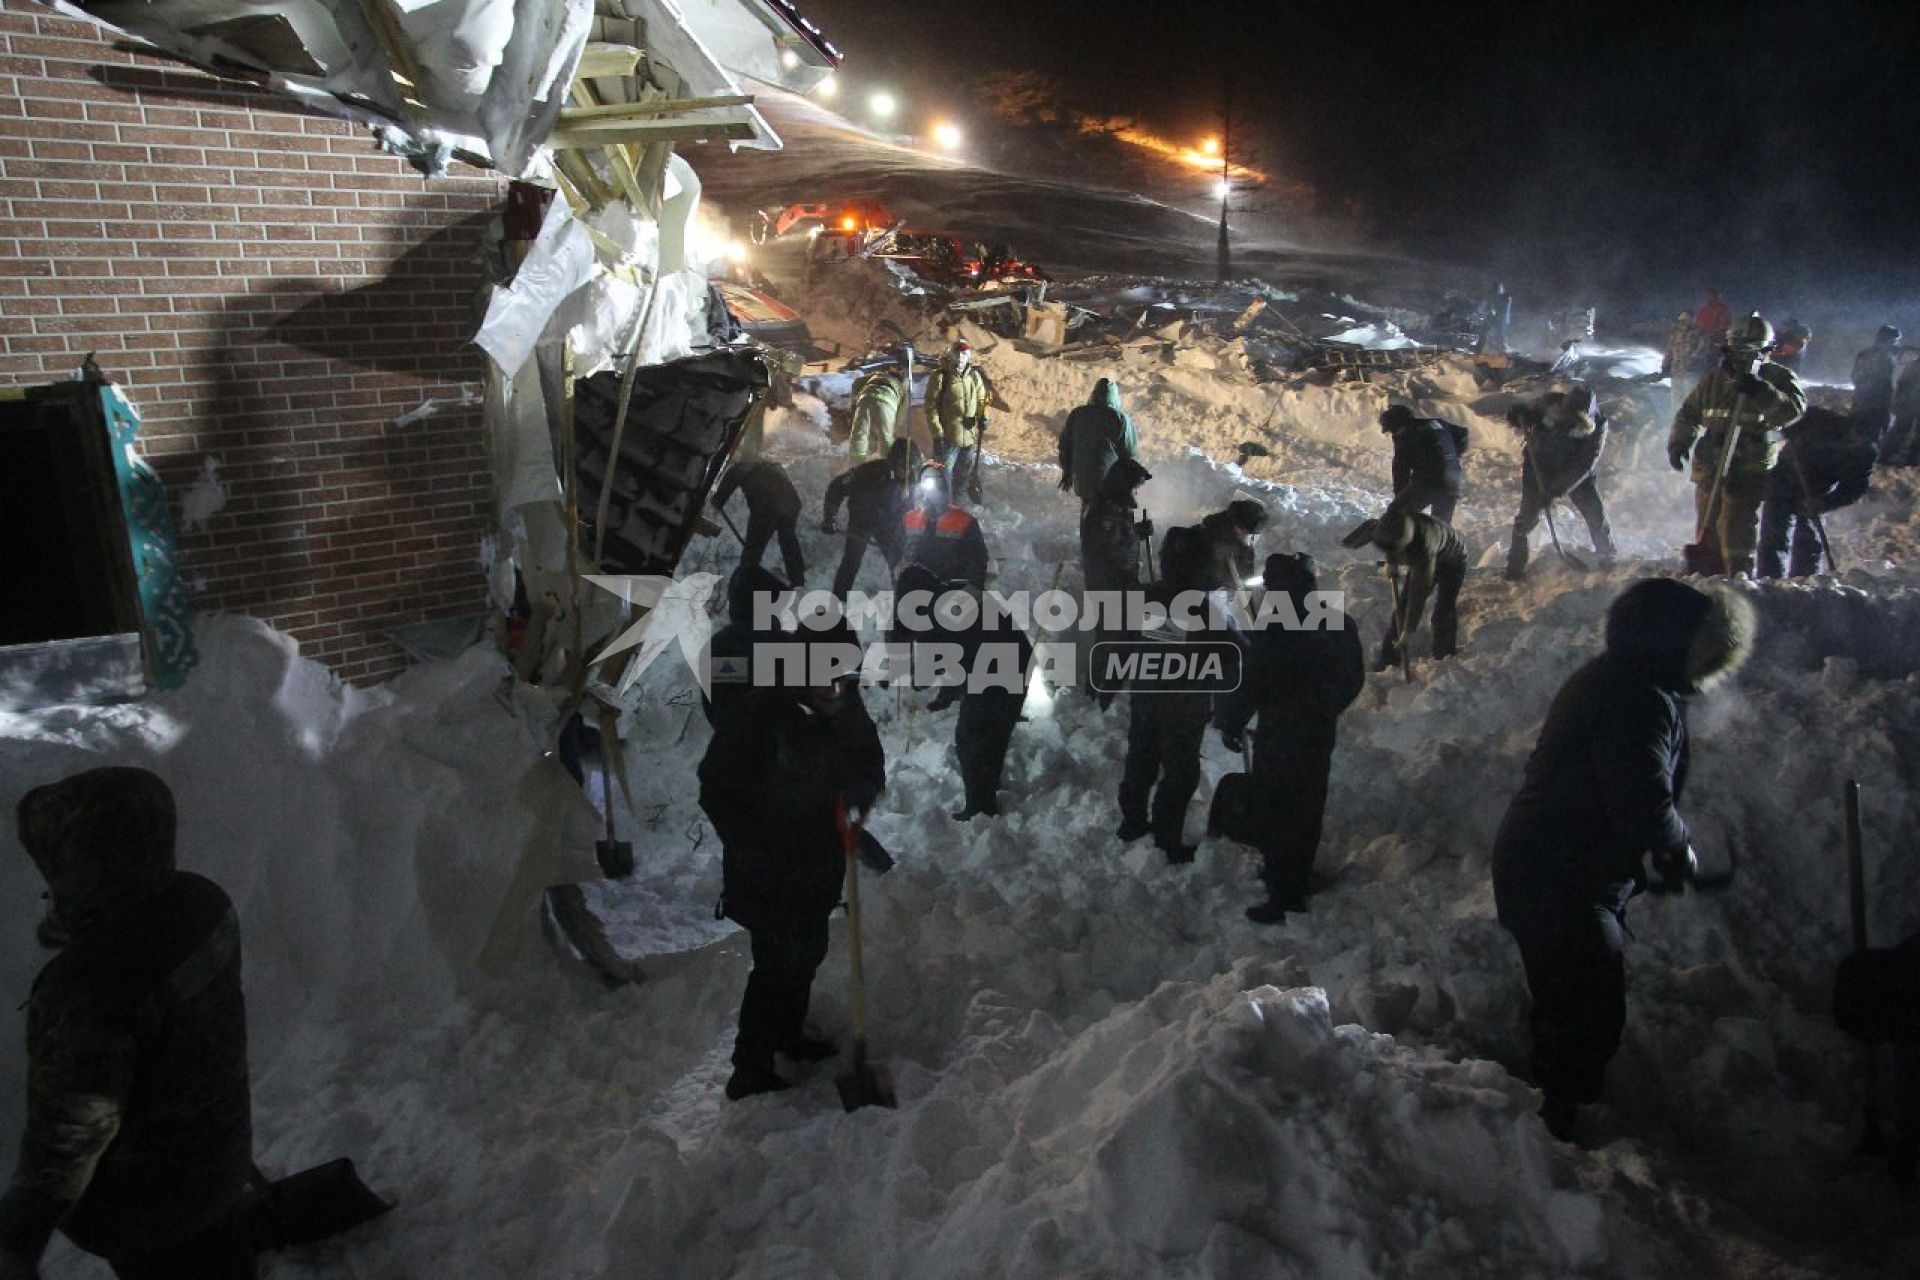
{"points": [[1109, 533], [139, 1133], [1564, 438], [1166, 729], [1601, 796], [876, 497], [1436, 563], [773, 508], [943, 538], [779, 764], [1297, 681], [1873, 383], [1426, 461], [1902, 448], [1876, 998], [1826, 464], [1790, 344], [1097, 434], [997, 660], [732, 646]]}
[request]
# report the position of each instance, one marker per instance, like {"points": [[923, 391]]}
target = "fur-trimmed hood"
{"points": [[1683, 638]]}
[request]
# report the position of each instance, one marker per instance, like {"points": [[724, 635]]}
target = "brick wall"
{"points": [[272, 292]]}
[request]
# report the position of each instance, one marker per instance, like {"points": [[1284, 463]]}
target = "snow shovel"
{"points": [[1232, 812], [1703, 555], [311, 1205], [1400, 623], [863, 1083], [1546, 509], [1872, 1140]]}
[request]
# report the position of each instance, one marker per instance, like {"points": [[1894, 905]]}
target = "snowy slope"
{"points": [[1104, 1070]]}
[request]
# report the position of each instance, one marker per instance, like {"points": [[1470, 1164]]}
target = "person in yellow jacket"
{"points": [[957, 417], [879, 414], [1762, 398]]}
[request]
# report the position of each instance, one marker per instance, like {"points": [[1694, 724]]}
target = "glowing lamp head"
{"points": [[789, 59], [1222, 189], [849, 223], [946, 136], [1210, 146], [827, 87], [882, 105]]}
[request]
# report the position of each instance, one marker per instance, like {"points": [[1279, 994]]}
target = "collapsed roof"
{"points": [[493, 81]]}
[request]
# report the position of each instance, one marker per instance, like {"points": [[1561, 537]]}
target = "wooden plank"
{"points": [[600, 61], [650, 109], [617, 133]]}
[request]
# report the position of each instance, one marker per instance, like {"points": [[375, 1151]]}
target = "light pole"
{"points": [[1224, 260]]}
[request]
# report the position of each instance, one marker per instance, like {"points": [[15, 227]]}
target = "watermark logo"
{"points": [[1161, 666], [673, 610]]}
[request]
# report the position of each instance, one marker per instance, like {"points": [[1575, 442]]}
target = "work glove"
{"points": [[829, 525], [1677, 455], [1233, 739], [1673, 870]]}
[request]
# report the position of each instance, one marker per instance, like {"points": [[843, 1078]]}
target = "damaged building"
{"points": [[290, 312]]}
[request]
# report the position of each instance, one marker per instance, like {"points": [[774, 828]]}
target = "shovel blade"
{"points": [[1703, 558], [312, 1205], [615, 857], [864, 1083]]}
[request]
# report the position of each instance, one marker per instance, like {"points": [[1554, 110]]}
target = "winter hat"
{"points": [[1683, 638], [1396, 416], [1246, 514], [101, 838], [1291, 572]]}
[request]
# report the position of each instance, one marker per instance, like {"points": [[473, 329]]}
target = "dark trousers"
{"points": [[761, 529], [773, 1012], [1164, 735], [855, 552], [1784, 515], [981, 736], [1577, 975], [1420, 497], [1901, 447], [1290, 779], [1584, 497], [221, 1252]]}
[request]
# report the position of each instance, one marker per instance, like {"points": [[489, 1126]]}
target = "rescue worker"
{"points": [[139, 1129], [1436, 563], [1097, 434], [1790, 346], [730, 651], [1109, 533], [1297, 681], [957, 417], [1713, 317], [773, 508], [1601, 795], [943, 538], [779, 763], [879, 413], [876, 495], [1766, 400], [1826, 465], [1903, 440], [1165, 728], [1426, 461], [1688, 356], [1564, 437], [1230, 534], [1873, 383], [997, 660]]}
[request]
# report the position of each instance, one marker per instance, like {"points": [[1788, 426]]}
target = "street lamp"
{"points": [[946, 136], [1210, 146], [882, 105]]}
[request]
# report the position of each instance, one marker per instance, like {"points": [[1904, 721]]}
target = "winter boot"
{"points": [[1132, 829], [809, 1049], [1178, 852], [1517, 560], [970, 811], [747, 1081]]}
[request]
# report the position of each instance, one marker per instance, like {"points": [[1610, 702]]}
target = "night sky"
{"points": [[1608, 147]]}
